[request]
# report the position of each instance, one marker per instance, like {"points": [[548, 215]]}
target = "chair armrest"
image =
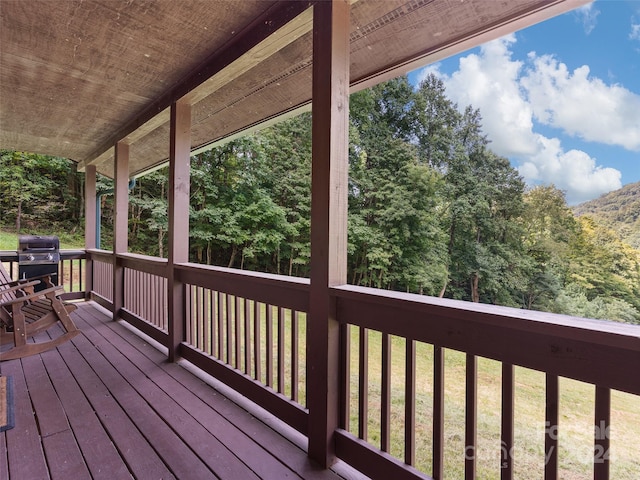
{"points": [[26, 298], [20, 286]]}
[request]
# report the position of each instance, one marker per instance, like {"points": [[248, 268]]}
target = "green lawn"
{"points": [[576, 411], [9, 240], [575, 429]]}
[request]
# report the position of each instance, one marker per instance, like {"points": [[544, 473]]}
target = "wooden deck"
{"points": [[109, 405]]}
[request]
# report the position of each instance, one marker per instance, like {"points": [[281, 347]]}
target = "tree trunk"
{"points": [[19, 217], [160, 243], [234, 252], [444, 286], [475, 295]]}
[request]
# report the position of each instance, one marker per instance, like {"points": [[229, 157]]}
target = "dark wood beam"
{"points": [[329, 173], [90, 225], [179, 166], [120, 223]]}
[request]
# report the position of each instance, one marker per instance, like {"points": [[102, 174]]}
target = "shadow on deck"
{"points": [[109, 405]]}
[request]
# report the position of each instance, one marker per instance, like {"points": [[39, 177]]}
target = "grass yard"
{"points": [[575, 429], [576, 409], [9, 240]]}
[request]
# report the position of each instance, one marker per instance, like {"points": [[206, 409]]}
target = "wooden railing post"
{"points": [[329, 174], [90, 225], [120, 222], [179, 164]]}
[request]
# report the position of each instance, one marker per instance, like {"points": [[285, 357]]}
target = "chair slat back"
{"points": [[5, 279]]}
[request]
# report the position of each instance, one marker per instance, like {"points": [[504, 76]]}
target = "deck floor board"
{"points": [[210, 434], [108, 405]]}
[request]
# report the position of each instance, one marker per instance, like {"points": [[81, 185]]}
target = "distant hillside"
{"points": [[619, 210]]}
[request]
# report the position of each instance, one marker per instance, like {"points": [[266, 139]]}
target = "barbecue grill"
{"points": [[38, 255]]}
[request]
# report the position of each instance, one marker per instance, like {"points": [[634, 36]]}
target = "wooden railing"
{"points": [[102, 276], [249, 330], [145, 292], [71, 271], [414, 370], [417, 336]]}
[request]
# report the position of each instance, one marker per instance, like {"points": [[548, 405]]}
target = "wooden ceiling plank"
{"points": [[289, 33], [274, 19], [525, 18]]}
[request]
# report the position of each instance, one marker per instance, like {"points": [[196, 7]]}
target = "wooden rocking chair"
{"points": [[25, 313]]}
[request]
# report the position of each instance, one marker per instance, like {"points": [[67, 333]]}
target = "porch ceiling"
{"points": [[77, 76]]}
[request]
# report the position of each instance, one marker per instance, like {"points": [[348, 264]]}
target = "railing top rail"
{"points": [[267, 278], [620, 335], [591, 351], [143, 258], [72, 253], [287, 292], [9, 255], [99, 251]]}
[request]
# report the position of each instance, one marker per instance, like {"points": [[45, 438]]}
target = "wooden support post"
{"points": [[179, 164], [329, 174], [120, 223], [90, 226]]}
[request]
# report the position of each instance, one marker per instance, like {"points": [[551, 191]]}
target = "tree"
{"points": [[549, 228], [393, 227], [39, 191]]}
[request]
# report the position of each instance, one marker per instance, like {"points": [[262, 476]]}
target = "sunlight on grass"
{"points": [[576, 429]]}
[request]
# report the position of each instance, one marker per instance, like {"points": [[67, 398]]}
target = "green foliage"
{"points": [[432, 210], [40, 193]]}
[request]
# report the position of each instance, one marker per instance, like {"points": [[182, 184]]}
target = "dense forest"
{"points": [[432, 210]]}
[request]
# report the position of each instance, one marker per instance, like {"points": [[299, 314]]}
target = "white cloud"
{"points": [[635, 31], [511, 94], [587, 15], [489, 81], [581, 105], [574, 171]]}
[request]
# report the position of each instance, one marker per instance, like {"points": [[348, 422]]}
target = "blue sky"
{"points": [[560, 99]]}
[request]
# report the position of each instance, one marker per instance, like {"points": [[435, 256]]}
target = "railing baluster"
{"points": [[385, 407], [471, 410], [197, 325], [81, 286], [60, 274], [229, 329], [212, 321], [238, 332], [345, 375], [506, 460], [551, 428], [206, 322], [190, 310], [269, 345], [247, 336], [363, 384], [295, 347], [257, 357], [602, 426], [280, 350], [410, 404], [220, 326], [438, 413]]}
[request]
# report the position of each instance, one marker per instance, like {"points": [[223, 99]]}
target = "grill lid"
{"points": [[35, 243], [38, 249]]}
